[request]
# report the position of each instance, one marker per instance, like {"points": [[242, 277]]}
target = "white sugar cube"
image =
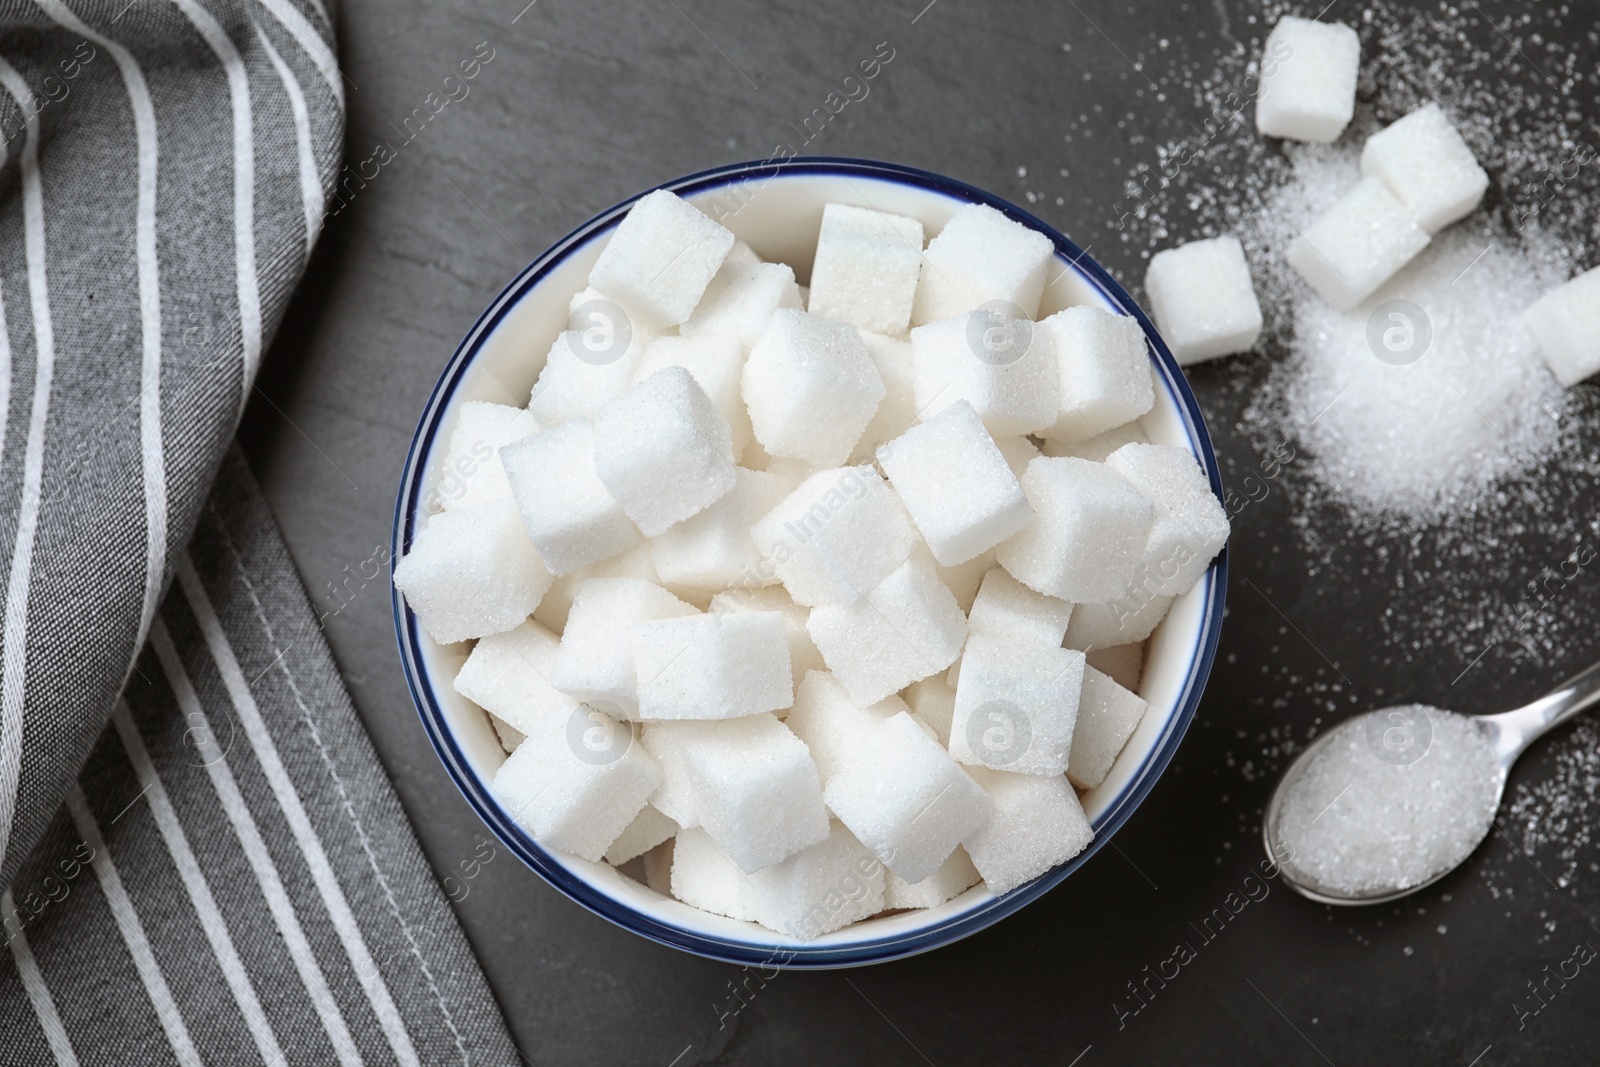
{"points": [[898, 410], [836, 536], [1088, 534], [663, 450], [1190, 525], [1104, 371], [831, 724], [1203, 300], [830, 885], [866, 266], [1005, 608], [741, 254], [595, 663], [472, 472], [577, 782], [906, 799], [954, 877], [756, 791], [508, 674], [647, 830], [1107, 716], [740, 301], [1123, 664], [981, 257], [714, 549], [908, 627], [955, 484], [582, 371], [811, 388], [557, 603], [1018, 452], [964, 578], [569, 514], [1001, 366], [1016, 705], [1037, 824], [1121, 621], [472, 572], [803, 654], [704, 877], [1308, 80], [933, 700], [716, 361], [1566, 322], [1427, 166], [712, 666], [1357, 245], [661, 258], [668, 742], [1100, 446]]}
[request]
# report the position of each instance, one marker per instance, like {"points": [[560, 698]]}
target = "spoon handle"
{"points": [[1521, 727]]}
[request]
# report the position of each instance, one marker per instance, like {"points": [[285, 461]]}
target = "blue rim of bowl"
{"points": [[800, 956]]}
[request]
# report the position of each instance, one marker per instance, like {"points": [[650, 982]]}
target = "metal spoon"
{"points": [[1509, 734]]}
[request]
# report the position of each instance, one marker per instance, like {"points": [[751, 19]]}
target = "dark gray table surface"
{"points": [[584, 104]]}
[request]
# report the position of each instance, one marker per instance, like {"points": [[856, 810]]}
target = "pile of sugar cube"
{"points": [[1417, 176], [819, 602]]}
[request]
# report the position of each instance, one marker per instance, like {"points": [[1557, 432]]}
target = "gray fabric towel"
{"points": [[227, 878]]}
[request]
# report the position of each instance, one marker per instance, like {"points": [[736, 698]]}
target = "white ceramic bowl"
{"points": [[777, 208]]}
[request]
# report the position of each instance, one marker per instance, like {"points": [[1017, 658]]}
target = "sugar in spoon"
{"points": [[1391, 801]]}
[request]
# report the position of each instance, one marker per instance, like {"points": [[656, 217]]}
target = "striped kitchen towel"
{"points": [[201, 860]]}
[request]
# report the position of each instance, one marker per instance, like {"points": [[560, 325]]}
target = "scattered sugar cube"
{"points": [[1018, 453], [581, 372], [1357, 245], [1566, 322], [830, 885], [508, 675], [668, 742], [996, 364], [905, 799], [898, 410], [836, 536], [1097, 448], [803, 654], [980, 257], [634, 563], [831, 724], [1308, 80], [714, 549], [1190, 525], [954, 877], [712, 666], [933, 700], [716, 361], [704, 877], [647, 830], [1037, 824], [740, 301], [568, 513], [756, 791], [1088, 534], [661, 258], [1123, 664], [866, 266], [570, 793], [1118, 622], [1203, 300], [663, 450], [509, 736], [472, 472], [955, 484], [963, 579], [472, 572], [1016, 705], [1005, 608], [906, 628], [811, 388], [1427, 166], [1104, 371], [1107, 716], [595, 662]]}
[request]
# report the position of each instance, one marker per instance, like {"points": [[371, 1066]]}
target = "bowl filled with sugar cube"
{"points": [[809, 562]]}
